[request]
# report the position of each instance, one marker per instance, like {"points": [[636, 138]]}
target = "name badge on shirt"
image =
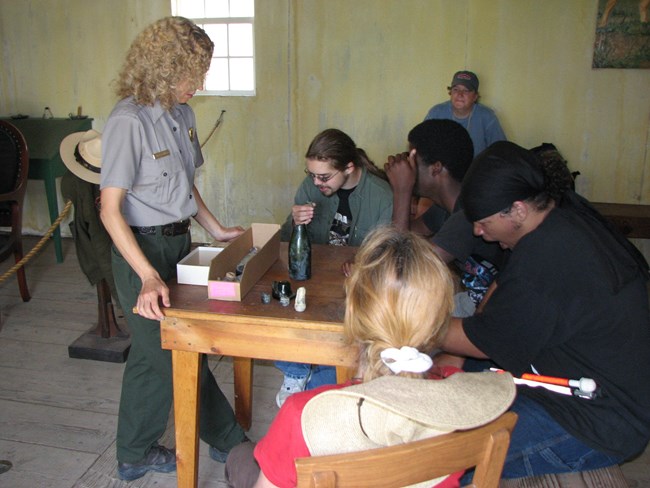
{"points": [[161, 154]]}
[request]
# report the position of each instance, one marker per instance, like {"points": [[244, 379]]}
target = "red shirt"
{"points": [[284, 442]]}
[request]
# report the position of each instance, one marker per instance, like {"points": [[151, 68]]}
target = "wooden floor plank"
{"points": [[65, 428], [37, 466]]}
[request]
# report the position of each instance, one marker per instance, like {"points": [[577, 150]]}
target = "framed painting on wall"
{"points": [[622, 34]]}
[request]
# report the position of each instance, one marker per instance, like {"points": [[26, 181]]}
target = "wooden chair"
{"points": [[14, 166], [484, 448]]}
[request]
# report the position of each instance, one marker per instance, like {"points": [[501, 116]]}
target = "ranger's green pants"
{"points": [[147, 384]]}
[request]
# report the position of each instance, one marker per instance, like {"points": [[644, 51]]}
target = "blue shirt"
{"points": [[482, 124]]}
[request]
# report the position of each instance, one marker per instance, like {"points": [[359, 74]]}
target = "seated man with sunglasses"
{"points": [[343, 197]]}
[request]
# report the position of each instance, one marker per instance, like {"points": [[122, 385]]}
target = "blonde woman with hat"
{"points": [[150, 153], [399, 299]]}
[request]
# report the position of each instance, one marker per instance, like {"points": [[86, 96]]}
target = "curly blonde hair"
{"points": [[165, 53], [400, 293]]}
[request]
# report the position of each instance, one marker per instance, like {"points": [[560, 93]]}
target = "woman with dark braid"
{"points": [[572, 302]]}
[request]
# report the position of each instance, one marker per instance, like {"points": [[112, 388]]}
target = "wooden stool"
{"points": [[106, 341]]}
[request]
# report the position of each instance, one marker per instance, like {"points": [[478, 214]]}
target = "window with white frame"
{"points": [[230, 25]]}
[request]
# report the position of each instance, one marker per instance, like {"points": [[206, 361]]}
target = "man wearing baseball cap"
{"points": [[463, 107]]}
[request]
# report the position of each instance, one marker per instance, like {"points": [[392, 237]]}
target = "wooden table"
{"points": [[250, 329], [43, 138]]}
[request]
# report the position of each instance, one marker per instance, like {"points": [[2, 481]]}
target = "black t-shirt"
{"points": [[457, 237], [340, 231], [555, 310], [434, 218]]}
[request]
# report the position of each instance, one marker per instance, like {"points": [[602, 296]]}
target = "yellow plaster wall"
{"points": [[370, 67]]}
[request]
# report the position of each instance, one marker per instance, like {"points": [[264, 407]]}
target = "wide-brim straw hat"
{"points": [[81, 152], [392, 410]]}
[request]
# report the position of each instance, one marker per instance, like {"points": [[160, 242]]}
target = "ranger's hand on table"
{"points": [[154, 291], [229, 233]]}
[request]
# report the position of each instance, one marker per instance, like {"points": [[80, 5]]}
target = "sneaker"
{"points": [[219, 455], [159, 459], [291, 385]]}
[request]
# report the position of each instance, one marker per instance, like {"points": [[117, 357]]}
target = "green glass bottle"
{"points": [[300, 254]]}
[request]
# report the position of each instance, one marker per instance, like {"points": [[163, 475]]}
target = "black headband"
{"points": [[505, 173], [85, 163], [502, 174]]}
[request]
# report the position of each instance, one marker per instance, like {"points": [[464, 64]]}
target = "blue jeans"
{"points": [[539, 445], [320, 375]]}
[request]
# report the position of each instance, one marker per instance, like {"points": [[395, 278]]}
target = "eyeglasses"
{"points": [[321, 178], [459, 91]]}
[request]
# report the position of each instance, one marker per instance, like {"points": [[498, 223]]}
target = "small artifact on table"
{"points": [[239, 270], [281, 288], [301, 303], [230, 276], [266, 298], [285, 300]]}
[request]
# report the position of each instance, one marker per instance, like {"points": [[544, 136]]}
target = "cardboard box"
{"points": [[266, 237], [194, 268]]}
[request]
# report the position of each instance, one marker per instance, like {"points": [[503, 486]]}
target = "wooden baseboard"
{"points": [[632, 220]]}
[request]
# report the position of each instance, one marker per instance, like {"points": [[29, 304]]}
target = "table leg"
{"points": [[186, 370], [52, 206], [243, 377], [343, 374]]}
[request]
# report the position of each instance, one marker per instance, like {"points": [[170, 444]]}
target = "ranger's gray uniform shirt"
{"points": [[153, 154]]}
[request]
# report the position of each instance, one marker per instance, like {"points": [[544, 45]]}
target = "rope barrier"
{"points": [[40, 243]]}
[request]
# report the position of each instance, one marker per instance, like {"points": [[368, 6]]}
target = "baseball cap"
{"points": [[466, 78]]}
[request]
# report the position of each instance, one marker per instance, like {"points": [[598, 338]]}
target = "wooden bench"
{"points": [[632, 220], [611, 477]]}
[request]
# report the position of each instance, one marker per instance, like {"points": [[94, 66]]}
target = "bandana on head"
{"points": [[502, 174], [505, 173]]}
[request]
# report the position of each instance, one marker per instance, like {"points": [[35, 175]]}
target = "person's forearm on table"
{"points": [[456, 342], [210, 223]]}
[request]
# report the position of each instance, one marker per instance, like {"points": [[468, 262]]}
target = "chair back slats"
{"points": [[484, 448], [14, 163], [14, 170], [9, 170]]}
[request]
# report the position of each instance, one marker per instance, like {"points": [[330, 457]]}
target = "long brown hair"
{"points": [[338, 149]]}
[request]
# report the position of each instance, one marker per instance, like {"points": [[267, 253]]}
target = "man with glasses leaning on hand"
{"points": [[343, 197], [463, 107]]}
